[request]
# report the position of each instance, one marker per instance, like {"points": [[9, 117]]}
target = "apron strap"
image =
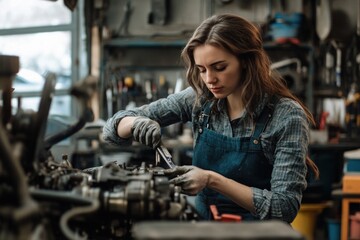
{"points": [[205, 116], [263, 120]]}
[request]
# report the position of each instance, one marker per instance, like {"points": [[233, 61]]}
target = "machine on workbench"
{"points": [[46, 198]]}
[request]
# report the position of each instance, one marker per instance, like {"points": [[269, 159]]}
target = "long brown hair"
{"points": [[243, 39]]}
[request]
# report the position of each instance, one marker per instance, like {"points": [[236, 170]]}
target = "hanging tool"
{"points": [[356, 49], [164, 153], [338, 63], [159, 14], [124, 25], [323, 19], [329, 65], [338, 66]]}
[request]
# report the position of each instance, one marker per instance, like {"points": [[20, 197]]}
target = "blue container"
{"points": [[285, 25], [333, 229], [283, 30], [291, 18], [352, 161]]}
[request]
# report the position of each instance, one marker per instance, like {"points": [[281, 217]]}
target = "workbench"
{"points": [[266, 230]]}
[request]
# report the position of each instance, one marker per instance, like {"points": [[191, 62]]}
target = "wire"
{"points": [[124, 26]]}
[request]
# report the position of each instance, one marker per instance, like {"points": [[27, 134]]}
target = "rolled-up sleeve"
{"points": [[166, 111], [286, 144]]}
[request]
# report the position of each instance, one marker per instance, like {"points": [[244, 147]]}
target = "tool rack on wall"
{"points": [[123, 57], [145, 60]]}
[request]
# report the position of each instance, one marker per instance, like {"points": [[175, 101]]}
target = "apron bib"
{"points": [[237, 158]]}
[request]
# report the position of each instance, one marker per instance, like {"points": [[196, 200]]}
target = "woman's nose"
{"points": [[210, 77]]}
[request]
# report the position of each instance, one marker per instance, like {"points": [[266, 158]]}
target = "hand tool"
{"points": [[165, 154], [225, 217]]}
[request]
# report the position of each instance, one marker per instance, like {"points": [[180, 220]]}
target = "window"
{"points": [[45, 36]]}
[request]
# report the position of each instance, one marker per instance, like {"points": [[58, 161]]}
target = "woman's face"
{"points": [[219, 69]]}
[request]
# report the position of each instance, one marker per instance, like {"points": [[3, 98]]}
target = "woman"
{"points": [[250, 133]]}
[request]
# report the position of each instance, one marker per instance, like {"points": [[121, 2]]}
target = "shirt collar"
{"points": [[221, 104]]}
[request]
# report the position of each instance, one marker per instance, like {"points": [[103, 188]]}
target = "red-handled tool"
{"points": [[323, 117], [225, 217]]}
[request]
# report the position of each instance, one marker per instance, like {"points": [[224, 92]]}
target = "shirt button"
{"points": [[200, 130], [256, 141]]}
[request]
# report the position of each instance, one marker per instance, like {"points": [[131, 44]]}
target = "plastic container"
{"points": [[333, 229], [305, 221], [285, 25], [352, 161]]}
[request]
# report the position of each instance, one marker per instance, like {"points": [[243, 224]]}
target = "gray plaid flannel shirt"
{"points": [[284, 142]]}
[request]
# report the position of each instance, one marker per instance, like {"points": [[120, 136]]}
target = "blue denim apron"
{"points": [[238, 158]]}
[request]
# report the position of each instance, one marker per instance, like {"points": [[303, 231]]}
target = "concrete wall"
{"points": [[186, 15]]}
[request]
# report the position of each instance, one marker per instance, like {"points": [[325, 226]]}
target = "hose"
{"points": [[65, 218], [63, 196], [27, 207]]}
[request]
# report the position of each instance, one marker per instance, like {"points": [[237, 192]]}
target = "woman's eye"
{"points": [[220, 68]]}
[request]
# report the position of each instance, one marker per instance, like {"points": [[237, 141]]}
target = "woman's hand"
{"points": [[191, 179], [146, 131]]}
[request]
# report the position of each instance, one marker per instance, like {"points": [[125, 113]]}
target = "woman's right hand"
{"points": [[146, 131]]}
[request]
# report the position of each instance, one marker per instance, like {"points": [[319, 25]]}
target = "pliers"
{"points": [[164, 153]]}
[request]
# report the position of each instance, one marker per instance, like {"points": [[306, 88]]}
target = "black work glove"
{"points": [[191, 179], [146, 131]]}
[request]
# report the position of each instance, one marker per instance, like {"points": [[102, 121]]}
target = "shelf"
{"points": [[341, 146], [329, 93], [137, 42], [287, 47], [145, 42]]}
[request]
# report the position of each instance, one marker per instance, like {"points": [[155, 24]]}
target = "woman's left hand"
{"points": [[191, 179]]}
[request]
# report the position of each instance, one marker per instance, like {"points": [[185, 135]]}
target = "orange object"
{"points": [[224, 217], [351, 183]]}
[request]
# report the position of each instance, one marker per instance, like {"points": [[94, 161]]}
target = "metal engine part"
{"points": [[45, 198]]}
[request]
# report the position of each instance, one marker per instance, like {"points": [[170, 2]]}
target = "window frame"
{"points": [[74, 27]]}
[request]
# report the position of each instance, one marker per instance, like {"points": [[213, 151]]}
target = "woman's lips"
{"points": [[215, 89]]}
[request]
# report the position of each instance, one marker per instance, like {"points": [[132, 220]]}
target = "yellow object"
{"points": [[162, 80], [129, 82], [305, 220]]}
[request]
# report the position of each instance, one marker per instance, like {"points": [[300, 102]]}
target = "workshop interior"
{"points": [[66, 66]]}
